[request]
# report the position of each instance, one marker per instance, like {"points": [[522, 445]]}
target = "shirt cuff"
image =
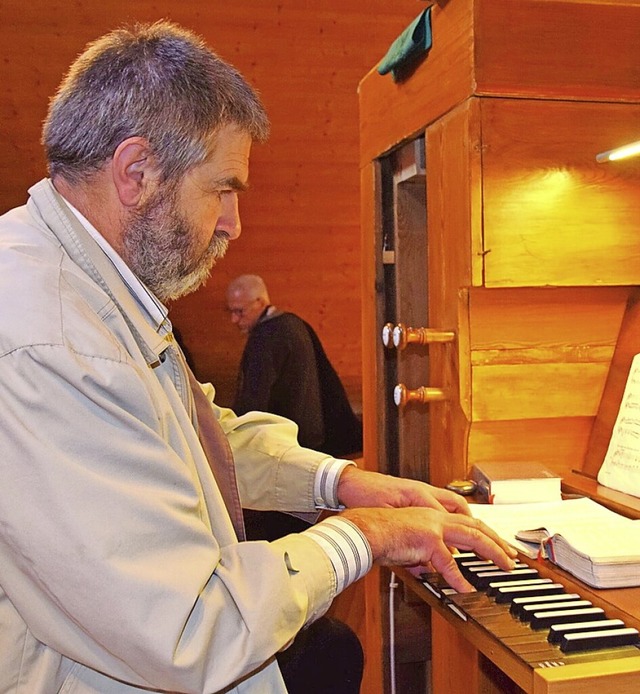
{"points": [[346, 546], [325, 484]]}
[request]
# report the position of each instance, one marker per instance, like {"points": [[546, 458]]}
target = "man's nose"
{"points": [[229, 220]]}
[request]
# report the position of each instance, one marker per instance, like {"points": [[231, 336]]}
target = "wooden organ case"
{"points": [[499, 258]]}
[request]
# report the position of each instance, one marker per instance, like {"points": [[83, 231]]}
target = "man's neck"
{"points": [[95, 204]]}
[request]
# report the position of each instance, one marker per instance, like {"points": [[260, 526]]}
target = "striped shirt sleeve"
{"points": [[325, 486], [346, 546]]}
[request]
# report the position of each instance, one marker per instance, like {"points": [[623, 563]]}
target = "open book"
{"points": [[598, 546]]}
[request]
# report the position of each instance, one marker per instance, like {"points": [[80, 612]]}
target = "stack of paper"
{"points": [[599, 558], [598, 546]]}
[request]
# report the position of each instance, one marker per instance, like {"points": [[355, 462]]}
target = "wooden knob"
{"points": [[402, 335], [403, 395]]}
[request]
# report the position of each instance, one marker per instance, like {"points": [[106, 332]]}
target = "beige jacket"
{"points": [[119, 567]]}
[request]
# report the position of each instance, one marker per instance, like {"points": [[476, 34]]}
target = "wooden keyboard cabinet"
{"points": [[486, 215]]}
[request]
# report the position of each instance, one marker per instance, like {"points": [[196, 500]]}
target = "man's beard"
{"points": [[159, 247]]}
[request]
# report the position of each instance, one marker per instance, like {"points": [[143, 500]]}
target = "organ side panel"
{"points": [[553, 215]]}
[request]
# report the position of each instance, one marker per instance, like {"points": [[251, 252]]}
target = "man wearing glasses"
{"points": [[285, 371]]}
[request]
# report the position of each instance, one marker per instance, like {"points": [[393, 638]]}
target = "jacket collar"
{"points": [[152, 337], [269, 313]]}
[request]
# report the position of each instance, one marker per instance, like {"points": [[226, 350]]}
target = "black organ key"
{"points": [[434, 588], [517, 604], [591, 640], [492, 589], [528, 611], [470, 570], [557, 631], [465, 556], [482, 580], [544, 619], [505, 594], [486, 565], [470, 563], [436, 584]]}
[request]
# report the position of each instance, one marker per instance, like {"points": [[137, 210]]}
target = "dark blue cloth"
{"points": [[412, 44], [325, 658]]}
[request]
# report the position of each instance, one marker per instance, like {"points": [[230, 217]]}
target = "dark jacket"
{"points": [[285, 370]]}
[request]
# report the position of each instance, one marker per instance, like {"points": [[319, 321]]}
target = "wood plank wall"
{"points": [[301, 218]]}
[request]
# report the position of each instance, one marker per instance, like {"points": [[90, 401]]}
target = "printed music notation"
{"points": [[621, 467]]}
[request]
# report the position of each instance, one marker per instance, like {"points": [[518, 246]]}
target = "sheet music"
{"points": [[621, 467]]}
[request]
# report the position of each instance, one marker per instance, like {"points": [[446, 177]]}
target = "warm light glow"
{"points": [[623, 152]]}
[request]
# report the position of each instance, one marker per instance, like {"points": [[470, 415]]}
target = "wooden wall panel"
{"points": [[373, 435], [455, 261], [532, 358], [301, 226], [560, 443], [371, 286], [532, 367], [535, 391], [568, 49], [538, 371], [507, 320], [551, 212]]}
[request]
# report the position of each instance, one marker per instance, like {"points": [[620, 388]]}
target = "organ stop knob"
{"points": [[400, 335], [403, 395]]}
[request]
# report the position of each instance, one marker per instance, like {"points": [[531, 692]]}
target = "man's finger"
{"points": [[444, 563], [472, 535]]}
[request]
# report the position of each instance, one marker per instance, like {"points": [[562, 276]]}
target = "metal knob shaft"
{"points": [[403, 395], [403, 336], [400, 335]]}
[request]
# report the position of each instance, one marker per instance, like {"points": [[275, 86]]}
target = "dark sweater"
{"points": [[284, 370]]}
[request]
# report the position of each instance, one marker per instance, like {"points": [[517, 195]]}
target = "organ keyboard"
{"points": [[537, 618], [534, 609]]}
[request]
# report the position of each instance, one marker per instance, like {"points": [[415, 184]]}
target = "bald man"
{"points": [[285, 370]]}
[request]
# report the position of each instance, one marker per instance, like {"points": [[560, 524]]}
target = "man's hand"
{"points": [[411, 523], [358, 488], [422, 536]]}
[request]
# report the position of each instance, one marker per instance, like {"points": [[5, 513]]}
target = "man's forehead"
{"points": [[237, 294], [229, 156]]}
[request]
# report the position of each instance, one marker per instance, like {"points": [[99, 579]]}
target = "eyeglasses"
{"points": [[239, 312]]}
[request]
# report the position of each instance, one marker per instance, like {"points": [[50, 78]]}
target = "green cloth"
{"points": [[412, 44]]}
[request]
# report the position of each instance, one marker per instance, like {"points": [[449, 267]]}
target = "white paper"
{"points": [[621, 467], [579, 519]]}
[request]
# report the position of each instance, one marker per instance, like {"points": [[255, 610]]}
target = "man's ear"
{"points": [[133, 169]]}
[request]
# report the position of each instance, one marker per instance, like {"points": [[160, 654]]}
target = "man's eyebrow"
{"points": [[234, 183]]}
